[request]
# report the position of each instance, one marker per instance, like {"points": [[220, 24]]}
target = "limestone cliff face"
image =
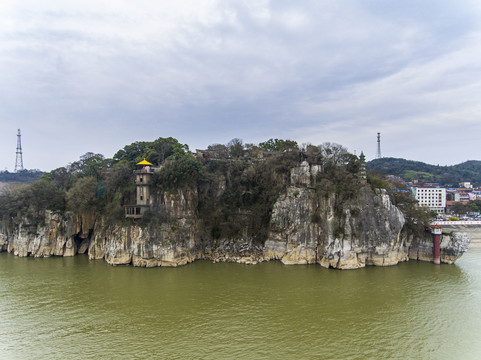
{"points": [[305, 228], [366, 231], [453, 245], [175, 242], [58, 237], [3, 242]]}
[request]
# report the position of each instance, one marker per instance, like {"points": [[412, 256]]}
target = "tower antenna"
{"points": [[19, 158], [378, 155]]}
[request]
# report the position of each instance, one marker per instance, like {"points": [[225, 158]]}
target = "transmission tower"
{"points": [[19, 159], [378, 155]]}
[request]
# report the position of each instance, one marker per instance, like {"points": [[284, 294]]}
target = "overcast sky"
{"points": [[96, 75]]}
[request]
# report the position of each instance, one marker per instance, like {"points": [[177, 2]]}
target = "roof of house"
{"points": [[144, 162]]}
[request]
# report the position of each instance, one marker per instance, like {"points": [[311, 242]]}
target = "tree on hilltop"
{"points": [[156, 151], [273, 145]]}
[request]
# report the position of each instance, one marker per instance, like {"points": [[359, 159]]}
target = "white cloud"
{"points": [[209, 70]]}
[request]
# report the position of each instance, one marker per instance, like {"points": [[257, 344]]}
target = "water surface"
{"points": [[59, 308]]}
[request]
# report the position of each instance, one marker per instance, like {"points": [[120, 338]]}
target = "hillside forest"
{"points": [[408, 170]]}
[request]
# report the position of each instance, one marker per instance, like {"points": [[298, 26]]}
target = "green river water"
{"points": [[73, 308]]}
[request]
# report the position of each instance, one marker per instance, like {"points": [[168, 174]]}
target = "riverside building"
{"points": [[433, 198]]}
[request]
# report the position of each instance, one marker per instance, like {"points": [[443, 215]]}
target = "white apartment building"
{"points": [[433, 198]]}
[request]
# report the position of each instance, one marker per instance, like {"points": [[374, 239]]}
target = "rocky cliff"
{"points": [[306, 227], [453, 245], [364, 231]]}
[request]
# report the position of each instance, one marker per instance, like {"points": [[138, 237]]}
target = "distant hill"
{"points": [[410, 170], [24, 176]]}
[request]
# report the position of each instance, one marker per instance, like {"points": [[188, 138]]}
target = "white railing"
{"points": [[461, 222]]}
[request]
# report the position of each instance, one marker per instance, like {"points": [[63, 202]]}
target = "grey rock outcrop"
{"points": [[58, 237], [453, 245], [3, 242], [365, 232]]}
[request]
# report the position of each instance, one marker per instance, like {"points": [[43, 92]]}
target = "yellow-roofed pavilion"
{"points": [[143, 180], [144, 163]]}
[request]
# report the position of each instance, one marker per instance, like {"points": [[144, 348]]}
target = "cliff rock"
{"points": [[453, 245], [307, 226]]}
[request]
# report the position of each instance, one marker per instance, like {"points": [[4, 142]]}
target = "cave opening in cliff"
{"points": [[78, 240]]}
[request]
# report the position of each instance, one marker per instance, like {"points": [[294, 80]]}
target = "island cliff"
{"points": [[305, 225]]}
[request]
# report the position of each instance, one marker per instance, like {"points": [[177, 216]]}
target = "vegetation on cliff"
{"points": [[234, 186]]}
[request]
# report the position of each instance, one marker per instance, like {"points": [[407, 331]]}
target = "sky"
{"points": [[96, 75]]}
